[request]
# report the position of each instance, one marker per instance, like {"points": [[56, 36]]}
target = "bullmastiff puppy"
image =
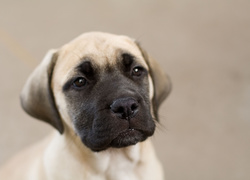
{"points": [[101, 92]]}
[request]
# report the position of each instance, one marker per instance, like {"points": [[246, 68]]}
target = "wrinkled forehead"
{"points": [[101, 48]]}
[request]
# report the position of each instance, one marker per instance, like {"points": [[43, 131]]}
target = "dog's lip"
{"points": [[128, 137], [128, 132]]}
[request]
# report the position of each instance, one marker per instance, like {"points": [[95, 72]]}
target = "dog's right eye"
{"points": [[80, 82]]}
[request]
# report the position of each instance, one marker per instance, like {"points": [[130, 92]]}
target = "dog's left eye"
{"points": [[137, 71], [80, 82]]}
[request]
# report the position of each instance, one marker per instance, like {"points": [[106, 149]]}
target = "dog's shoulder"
{"points": [[28, 159]]}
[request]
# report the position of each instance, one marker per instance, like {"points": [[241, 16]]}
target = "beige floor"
{"points": [[203, 45]]}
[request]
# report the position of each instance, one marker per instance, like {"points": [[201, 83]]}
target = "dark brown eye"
{"points": [[137, 71], [80, 82]]}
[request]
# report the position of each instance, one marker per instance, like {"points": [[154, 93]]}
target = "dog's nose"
{"points": [[125, 108]]}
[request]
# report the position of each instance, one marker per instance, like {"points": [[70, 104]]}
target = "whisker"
{"points": [[159, 125]]}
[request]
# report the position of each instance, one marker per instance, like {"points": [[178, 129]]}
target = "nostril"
{"points": [[125, 108], [120, 110], [134, 106]]}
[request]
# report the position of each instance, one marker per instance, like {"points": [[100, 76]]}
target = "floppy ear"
{"points": [[161, 82], [37, 98]]}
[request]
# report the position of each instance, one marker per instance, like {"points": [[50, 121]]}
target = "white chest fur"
{"points": [[64, 161]]}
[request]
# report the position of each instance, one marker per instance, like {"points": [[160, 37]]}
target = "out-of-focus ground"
{"points": [[204, 45]]}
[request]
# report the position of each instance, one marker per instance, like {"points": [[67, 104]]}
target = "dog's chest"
{"points": [[122, 168], [123, 165]]}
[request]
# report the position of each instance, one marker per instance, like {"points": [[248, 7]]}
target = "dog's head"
{"points": [[103, 87]]}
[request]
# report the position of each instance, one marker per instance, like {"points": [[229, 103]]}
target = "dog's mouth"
{"points": [[124, 138], [110, 129], [128, 137]]}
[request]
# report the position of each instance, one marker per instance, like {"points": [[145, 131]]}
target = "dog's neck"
{"points": [[70, 144], [134, 162]]}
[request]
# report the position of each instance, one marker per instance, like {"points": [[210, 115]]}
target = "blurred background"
{"points": [[204, 45]]}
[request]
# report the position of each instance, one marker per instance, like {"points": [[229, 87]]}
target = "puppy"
{"points": [[101, 92]]}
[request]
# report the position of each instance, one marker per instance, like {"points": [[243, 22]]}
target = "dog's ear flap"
{"points": [[37, 98], [161, 81]]}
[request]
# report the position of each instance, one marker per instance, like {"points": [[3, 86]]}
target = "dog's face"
{"points": [[102, 87]]}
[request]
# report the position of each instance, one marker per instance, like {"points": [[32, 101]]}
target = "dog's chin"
{"points": [[127, 138], [123, 139]]}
